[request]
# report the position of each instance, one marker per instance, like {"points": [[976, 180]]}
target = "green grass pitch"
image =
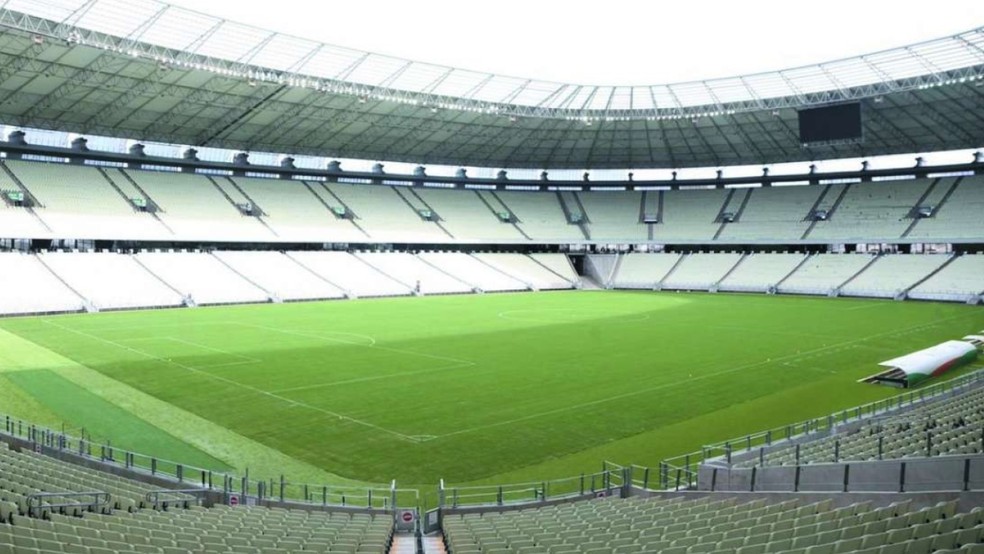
{"points": [[478, 388]]}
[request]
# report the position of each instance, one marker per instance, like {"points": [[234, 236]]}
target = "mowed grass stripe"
{"points": [[233, 450], [553, 375]]}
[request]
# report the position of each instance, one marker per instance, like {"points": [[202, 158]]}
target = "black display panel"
{"points": [[830, 123]]}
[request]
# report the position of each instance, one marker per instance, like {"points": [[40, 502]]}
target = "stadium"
{"points": [[260, 293]]}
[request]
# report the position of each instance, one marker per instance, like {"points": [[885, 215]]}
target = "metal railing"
{"points": [[188, 478], [608, 482], [96, 500], [680, 472]]}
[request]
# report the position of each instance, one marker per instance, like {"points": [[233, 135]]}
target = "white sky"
{"points": [[614, 42]]}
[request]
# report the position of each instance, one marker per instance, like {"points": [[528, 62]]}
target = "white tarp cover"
{"points": [[928, 360]]}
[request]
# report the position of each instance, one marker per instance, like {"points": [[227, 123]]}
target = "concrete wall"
{"points": [[941, 473]]}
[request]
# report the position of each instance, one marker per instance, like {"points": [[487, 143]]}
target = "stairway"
{"points": [[404, 543], [27, 195]]}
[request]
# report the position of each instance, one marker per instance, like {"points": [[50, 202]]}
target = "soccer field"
{"points": [[477, 388]]}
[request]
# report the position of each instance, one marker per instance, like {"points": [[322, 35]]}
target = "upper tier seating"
{"points": [[959, 217], [688, 215], [295, 210], [385, 215], [110, 280], [16, 221], [540, 215], [614, 215], [701, 271], [774, 214], [194, 207], [79, 202], [892, 274], [712, 524], [202, 277], [871, 212], [644, 271], [759, 272], [27, 286], [467, 217], [960, 280], [824, 272]]}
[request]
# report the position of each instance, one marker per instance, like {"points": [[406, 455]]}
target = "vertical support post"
{"points": [[768, 437], [754, 473], [797, 454], [847, 477], [929, 443], [645, 478], [498, 496], [283, 485], [581, 482], [902, 477], [881, 446], [837, 450], [714, 479], [966, 475], [796, 479], [180, 471]]}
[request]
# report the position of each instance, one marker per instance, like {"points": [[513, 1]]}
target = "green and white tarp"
{"points": [[912, 369]]}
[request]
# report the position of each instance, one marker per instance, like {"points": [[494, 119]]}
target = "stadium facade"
{"points": [[89, 229]]}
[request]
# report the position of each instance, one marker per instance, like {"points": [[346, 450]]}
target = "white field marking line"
{"points": [[691, 380], [196, 345], [290, 402], [373, 345], [869, 306], [374, 378], [457, 365]]}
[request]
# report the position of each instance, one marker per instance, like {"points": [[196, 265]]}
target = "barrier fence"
{"points": [[681, 472], [191, 479], [608, 482]]}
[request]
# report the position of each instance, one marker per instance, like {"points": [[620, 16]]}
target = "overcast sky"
{"points": [[612, 41]]}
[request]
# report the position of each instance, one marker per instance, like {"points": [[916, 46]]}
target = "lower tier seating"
{"points": [[713, 525]]}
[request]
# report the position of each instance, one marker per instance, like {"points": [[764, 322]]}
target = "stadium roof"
{"points": [[150, 71]]}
